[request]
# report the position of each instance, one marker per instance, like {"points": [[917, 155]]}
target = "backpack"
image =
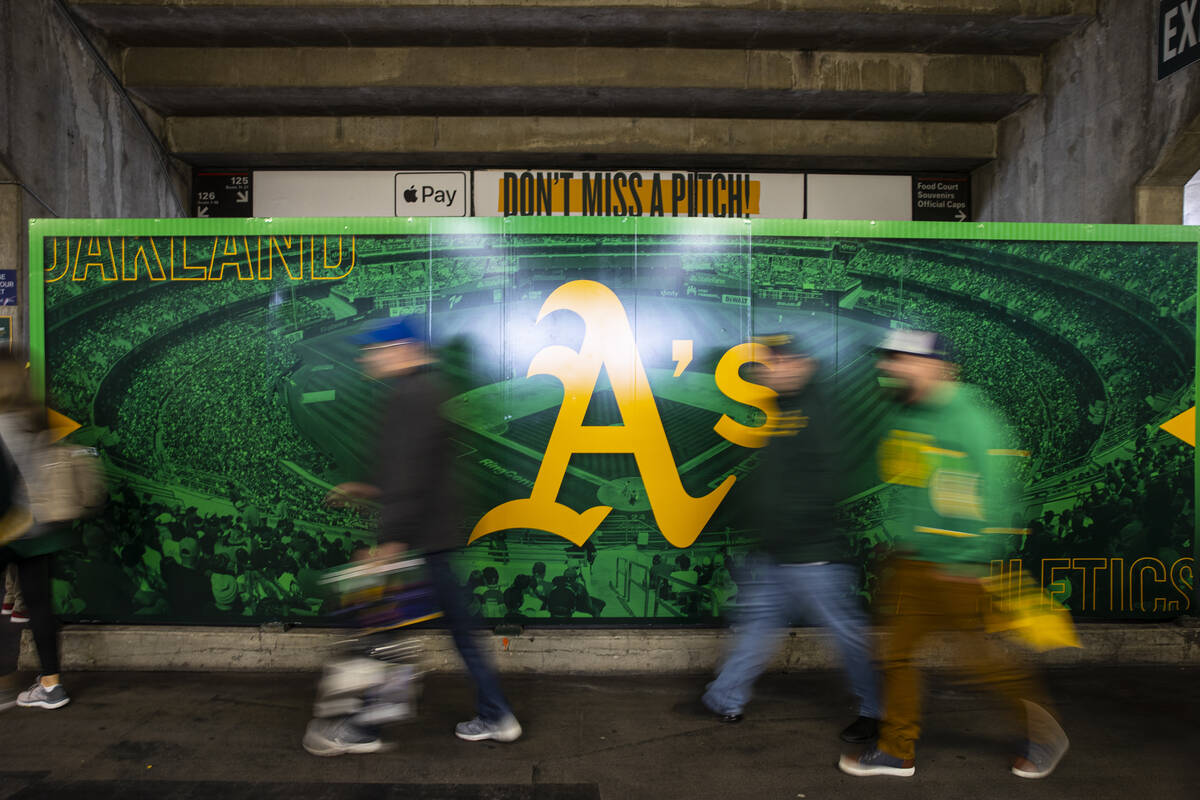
{"points": [[69, 483], [15, 521]]}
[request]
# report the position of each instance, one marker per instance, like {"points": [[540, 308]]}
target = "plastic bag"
{"points": [[1022, 608]]}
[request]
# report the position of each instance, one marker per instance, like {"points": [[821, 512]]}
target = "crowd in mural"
{"points": [[227, 431], [803, 272], [1136, 503], [171, 558], [87, 350], [1122, 353], [1038, 394], [1138, 269], [201, 424], [239, 560]]}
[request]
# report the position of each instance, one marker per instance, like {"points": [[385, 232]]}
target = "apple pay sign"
{"points": [[431, 194]]}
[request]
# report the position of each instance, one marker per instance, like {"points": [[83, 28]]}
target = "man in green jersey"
{"points": [[945, 455]]}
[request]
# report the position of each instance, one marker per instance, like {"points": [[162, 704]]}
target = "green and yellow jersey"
{"points": [[948, 454]]}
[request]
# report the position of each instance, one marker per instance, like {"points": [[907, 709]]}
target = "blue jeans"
{"points": [[491, 703], [778, 594]]}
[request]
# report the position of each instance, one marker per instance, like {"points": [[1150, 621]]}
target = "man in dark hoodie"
{"points": [[800, 569], [414, 487]]}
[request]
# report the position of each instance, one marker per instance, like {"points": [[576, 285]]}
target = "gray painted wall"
{"points": [[70, 144], [1191, 201], [1076, 153]]}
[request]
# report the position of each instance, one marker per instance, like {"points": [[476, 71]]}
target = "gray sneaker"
{"points": [[1045, 746], [38, 696], [874, 761], [335, 737], [505, 729]]}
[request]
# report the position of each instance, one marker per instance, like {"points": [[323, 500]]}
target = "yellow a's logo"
{"points": [[607, 343]]}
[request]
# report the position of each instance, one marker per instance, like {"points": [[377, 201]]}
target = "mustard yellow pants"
{"points": [[918, 600]]}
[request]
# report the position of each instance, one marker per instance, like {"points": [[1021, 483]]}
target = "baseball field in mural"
{"points": [[211, 365]]}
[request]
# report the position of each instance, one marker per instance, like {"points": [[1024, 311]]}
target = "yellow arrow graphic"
{"points": [[1183, 426], [60, 426]]}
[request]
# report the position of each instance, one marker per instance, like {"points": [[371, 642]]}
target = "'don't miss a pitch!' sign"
{"points": [[638, 193]]}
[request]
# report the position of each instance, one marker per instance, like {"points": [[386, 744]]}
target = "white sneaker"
{"points": [[1045, 745], [505, 729]]}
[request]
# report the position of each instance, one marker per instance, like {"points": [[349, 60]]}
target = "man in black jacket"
{"points": [[800, 569], [414, 487]]}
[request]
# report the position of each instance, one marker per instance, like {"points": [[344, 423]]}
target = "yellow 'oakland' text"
{"points": [[199, 258]]}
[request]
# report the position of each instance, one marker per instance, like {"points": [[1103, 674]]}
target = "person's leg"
{"points": [[10, 646], [830, 600], [913, 615], [992, 666], [761, 615], [35, 585], [11, 589], [492, 704]]}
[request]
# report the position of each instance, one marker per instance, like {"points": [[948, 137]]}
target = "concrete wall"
{"points": [[71, 144], [1102, 126], [556, 650]]}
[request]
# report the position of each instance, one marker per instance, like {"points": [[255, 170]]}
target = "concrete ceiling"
{"points": [[784, 84]]}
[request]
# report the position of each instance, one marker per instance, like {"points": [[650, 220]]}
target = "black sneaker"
{"points": [[861, 731], [701, 710], [877, 762], [724, 717]]}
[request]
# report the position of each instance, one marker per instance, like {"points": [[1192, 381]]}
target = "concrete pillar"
{"points": [[1106, 142], [12, 248], [1159, 205], [72, 143]]}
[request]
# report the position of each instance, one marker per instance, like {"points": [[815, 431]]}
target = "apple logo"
{"points": [[410, 194]]}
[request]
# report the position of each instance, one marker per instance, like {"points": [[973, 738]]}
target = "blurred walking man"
{"points": [[943, 455], [414, 487], [801, 569]]}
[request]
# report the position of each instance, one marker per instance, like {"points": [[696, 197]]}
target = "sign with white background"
{"points": [[616, 193], [432, 194]]}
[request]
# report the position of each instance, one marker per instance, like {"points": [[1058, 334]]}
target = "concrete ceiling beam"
{"points": [[995, 8], [964, 26], [328, 67], [590, 81], [571, 141]]}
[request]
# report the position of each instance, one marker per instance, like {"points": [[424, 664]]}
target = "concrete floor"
{"points": [[1134, 731]]}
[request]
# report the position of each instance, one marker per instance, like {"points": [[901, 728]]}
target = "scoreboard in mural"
{"points": [[606, 436]]}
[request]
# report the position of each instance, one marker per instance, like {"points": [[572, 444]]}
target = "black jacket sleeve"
{"points": [[413, 467]]}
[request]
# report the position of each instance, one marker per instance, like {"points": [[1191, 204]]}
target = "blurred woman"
{"points": [[27, 544]]}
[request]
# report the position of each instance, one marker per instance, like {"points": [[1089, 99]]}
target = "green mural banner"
{"points": [[605, 433]]}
